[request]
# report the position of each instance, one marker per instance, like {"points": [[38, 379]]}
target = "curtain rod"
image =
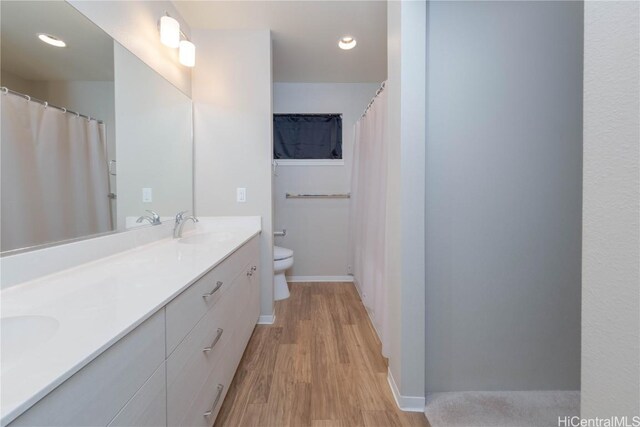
{"points": [[378, 92], [5, 90]]}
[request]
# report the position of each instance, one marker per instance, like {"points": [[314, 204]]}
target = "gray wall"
{"points": [[611, 213], [504, 158], [317, 230], [405, 205]]}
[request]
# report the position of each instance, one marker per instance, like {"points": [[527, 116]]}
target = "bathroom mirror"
{"points": [[91, 137]]}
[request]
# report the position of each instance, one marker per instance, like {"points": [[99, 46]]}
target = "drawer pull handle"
{"points": [[254, 268], [215, 341], [249, 273], [218, 286], [215, 402]]}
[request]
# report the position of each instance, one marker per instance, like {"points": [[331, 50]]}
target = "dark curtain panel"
{"points": [[307, 136]]}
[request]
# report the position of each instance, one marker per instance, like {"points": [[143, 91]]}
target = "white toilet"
{"points": [[282, 260]]}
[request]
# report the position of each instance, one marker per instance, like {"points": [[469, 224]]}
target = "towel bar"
{"points": [[318, 196]]}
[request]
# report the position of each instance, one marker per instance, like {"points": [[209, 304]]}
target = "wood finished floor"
{"points": [[318, 365]]}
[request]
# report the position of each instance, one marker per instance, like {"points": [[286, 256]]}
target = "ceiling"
{"points": [[88, 55], [305, 35]]}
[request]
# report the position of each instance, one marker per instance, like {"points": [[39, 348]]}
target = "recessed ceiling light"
{"points": [[52, 40], [347, 42]]}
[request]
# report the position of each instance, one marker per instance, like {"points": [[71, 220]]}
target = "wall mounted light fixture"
{"points": [[169, 31], [187, 53], [173, 37]]}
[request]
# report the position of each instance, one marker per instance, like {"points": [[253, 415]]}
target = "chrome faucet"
{"points": [[154, 218], [180, 221]]}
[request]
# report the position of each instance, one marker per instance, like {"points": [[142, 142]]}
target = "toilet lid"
{"points": [[281, 253]]}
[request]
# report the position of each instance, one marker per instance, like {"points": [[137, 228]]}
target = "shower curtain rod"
{"points": [[378, 92], [5, 90]]}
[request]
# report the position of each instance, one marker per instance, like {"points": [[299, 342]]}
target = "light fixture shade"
{"points": [[169, 31], [187, 53]]}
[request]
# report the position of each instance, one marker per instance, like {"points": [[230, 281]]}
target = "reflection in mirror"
{"points": [[66, 112], [153, 140], [55, 182]]}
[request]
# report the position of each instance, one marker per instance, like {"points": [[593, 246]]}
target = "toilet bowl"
{"points": [[282, 260]]}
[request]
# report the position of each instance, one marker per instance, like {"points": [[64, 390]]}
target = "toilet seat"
{"points": [[281, 253]]}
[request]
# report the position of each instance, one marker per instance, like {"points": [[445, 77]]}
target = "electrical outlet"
{"points": [[241, 195], [147, 195]]}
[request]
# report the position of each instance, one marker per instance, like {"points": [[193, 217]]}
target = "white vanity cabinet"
{"points": [[176, 367], [96, 393], [201, 367]]}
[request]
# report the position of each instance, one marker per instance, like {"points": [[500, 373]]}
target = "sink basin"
{"points": [[207, 238], [20, 334]]}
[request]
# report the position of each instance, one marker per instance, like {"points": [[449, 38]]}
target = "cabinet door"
{"points": [[253, 298], [95, 394], [148, 408]]}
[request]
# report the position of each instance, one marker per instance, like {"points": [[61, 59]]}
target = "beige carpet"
{"points": [[501, 408]]}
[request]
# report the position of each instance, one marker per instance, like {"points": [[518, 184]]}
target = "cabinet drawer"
{"points": [[188, 308], [189, 365], [148, 408], [205, 406], [95, 394], [207, 400]]}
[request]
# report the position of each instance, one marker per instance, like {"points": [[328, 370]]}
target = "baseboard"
{"points": [[405, 403], [268, 319], [320, 279]]}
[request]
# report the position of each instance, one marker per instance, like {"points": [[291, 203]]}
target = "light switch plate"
{"points": [[147, 195], [241, 195]]}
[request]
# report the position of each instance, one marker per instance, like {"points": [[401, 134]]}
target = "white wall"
{"points": [[503, 196], [134, 25], [153, 140], [317, 230], [611, 211], [15, 82], [232, 94], [405, 276]]}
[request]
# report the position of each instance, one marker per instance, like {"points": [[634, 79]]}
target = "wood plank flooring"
{"points": [[319, 365]]}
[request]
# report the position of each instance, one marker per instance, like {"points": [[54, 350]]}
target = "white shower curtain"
{"points": [[54, 176], [367, 214]]}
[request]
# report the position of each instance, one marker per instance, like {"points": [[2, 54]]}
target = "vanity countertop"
{"points": [[64, 320]]}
